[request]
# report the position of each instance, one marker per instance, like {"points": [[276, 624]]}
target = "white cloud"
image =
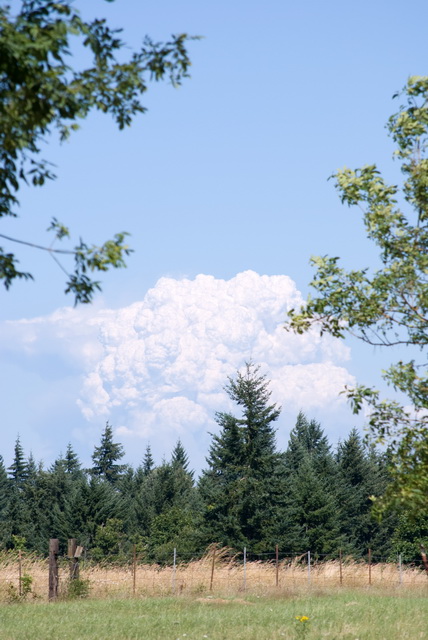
{"points": [[157, 367], [166, 359]]}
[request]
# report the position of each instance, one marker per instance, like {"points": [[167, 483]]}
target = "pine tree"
{"points": [[243, 486], [105, 457], [179, 457], [4, 489], [311, 519], [31, 470], [41, 505], [16, 518], [71, 460], [312, 513], [251, 392], [219, 485], [61, 486], [148, 461], [173, 505], [308, 439], [362, 474], [19, 468], [129, 488], [92, 504]]}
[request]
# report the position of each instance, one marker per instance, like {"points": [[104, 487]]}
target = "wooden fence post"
{"points": [[340, 567], [424, 557], [370, 567], [73, 557], [212, 568], [53, 568]]}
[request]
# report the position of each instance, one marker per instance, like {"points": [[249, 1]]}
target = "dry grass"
{"points": [[229, 577]]}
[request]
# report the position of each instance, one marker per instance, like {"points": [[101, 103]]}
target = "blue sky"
{"points": [[224, 176]]}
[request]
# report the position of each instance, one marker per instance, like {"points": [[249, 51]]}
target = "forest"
{"points": [[309, 497]]}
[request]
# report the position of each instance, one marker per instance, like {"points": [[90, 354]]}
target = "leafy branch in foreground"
{"points": [[40, 92], [389, 306]]}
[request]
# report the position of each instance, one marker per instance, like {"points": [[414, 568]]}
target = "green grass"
{"points": [[345, 615]]}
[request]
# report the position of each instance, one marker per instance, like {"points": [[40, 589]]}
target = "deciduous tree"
{"points": [[388, 306], [41, 91]]}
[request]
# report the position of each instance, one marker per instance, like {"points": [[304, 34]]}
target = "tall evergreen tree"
{"points": [[106, 456], [32, 469], [92, 504], [307, 438], [311, 520], [18, 470], [71, 460], [4, 492], [355, 471], [16, 517], [172, 504], [179, 457], [148, 461], [362, 474], [312, 513], [243, 485]]}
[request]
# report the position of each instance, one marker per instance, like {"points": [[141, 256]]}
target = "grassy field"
{"points": [[217, 600], [344, 614]]}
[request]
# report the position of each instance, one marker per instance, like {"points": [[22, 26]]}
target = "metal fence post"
{"points": [[276, 565], [134, 569], [20, 572], [400, 569], [370, 567], [174, 571]]}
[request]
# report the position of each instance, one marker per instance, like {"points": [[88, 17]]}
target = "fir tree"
{"points": [[106, 456], [31, 470], [251, 392], [71, 460], [148, 461], [362, 474], [312, 513], [173, 508], [4, 488], [311, 519], [93, 503], [308, 439], [61, 487], [179, 457], [19, 468], [243, 486]]}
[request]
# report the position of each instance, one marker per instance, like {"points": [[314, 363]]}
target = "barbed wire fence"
{"points": [[218, 571]]}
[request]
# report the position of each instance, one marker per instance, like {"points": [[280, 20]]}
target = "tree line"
{"points": [[308, 497]]}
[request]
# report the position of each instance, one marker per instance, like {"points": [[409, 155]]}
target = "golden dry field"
{"points": [[221, 577]]}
